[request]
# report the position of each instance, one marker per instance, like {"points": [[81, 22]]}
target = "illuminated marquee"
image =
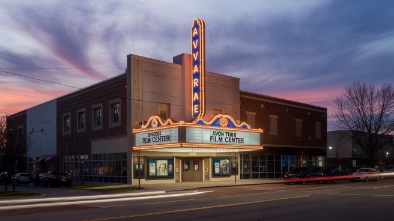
{"points": [[164, 136], [222, 136], [198, 68]]}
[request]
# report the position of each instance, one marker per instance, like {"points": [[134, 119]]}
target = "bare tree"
{"points": [[3, 138], [368, 113]]}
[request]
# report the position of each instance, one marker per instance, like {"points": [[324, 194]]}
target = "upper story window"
{"points": [[81, 120], [298, 127], [318, 130], [217, 111], [66, 123], [164, 110], [20, 134], [114, 113], [251, 118], [273, 124], [97, 116], [11, 135]]}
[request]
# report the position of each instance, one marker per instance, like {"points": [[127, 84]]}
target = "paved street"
{"points": [[212, 201]]}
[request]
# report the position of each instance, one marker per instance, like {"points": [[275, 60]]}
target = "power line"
{"points": [[63, 68], [52, 82], [39, 79]]}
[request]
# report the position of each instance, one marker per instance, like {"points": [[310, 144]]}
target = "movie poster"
{"points": [[152, 169], [162, 167], [221, 166]]}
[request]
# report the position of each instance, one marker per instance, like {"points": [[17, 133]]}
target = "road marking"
{"points": [[197, 208], [360, 194], [378, 187]]}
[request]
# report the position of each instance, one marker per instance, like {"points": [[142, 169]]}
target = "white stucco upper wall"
{"points": [[154, 81], [222, 92]]}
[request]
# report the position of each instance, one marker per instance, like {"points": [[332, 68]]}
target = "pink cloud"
{"points": [[16, 98]]}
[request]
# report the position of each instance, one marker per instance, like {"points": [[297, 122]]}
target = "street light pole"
{"points": [[139, 168], [236, 167]]}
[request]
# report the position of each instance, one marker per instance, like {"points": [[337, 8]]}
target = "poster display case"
{"points": [[161, 168]]}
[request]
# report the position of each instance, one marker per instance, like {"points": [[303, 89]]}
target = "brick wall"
{"points": [[18, 142], [102, 93], [287, 112]]}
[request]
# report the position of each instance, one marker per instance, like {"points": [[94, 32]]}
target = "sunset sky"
{"points": [[304, 50]]}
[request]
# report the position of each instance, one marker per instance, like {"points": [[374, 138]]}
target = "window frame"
{"points": [[168, 112], [79, 128], [111, 114], [249, 118], [217, 111], [298, 132], [318, 130], [94, 117], [66, 131], [273, 128]]}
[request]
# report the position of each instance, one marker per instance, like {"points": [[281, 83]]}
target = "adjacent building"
{"points": [[295, 135], [344, 150]]}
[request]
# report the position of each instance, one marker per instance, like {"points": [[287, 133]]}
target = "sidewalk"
{"points": [[168, 187]]}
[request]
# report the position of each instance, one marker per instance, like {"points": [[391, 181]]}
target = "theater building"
{"points": [[177, 122]]}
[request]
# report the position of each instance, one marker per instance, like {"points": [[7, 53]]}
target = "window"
{"points": [[81, 120], [298, 127], [273, 124], [164, 110], [11, 135], [97, 116], [114, 113], [318, 130], [217, 111], [251, 118], [20, 134], [66, 123]]}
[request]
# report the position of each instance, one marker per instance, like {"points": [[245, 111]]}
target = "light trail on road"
{"points": [[74, 198], [25, 206]]}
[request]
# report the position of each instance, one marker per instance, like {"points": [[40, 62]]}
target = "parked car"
{"points": [[5, 178], [387, 171], [337, 170], [304, 172], [56, 179], [37, 178], [366, 174], [387, 168], [22, 178]]}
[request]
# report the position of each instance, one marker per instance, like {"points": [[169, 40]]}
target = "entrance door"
{"points": [[192, 169]]}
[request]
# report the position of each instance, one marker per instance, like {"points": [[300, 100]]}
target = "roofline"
{"points": [[282, 101]]}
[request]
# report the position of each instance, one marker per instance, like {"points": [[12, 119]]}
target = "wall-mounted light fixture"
{"points": [[32, 130]]}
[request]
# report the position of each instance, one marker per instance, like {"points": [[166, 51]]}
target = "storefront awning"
{"points": [[40, 159], [48, 158]]}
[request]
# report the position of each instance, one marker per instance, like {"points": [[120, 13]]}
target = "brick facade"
{"points": [[80, 142], [286, 141], [17, 143]]}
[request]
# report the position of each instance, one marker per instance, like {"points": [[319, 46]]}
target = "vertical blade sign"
{"points": [[198, 68]]}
